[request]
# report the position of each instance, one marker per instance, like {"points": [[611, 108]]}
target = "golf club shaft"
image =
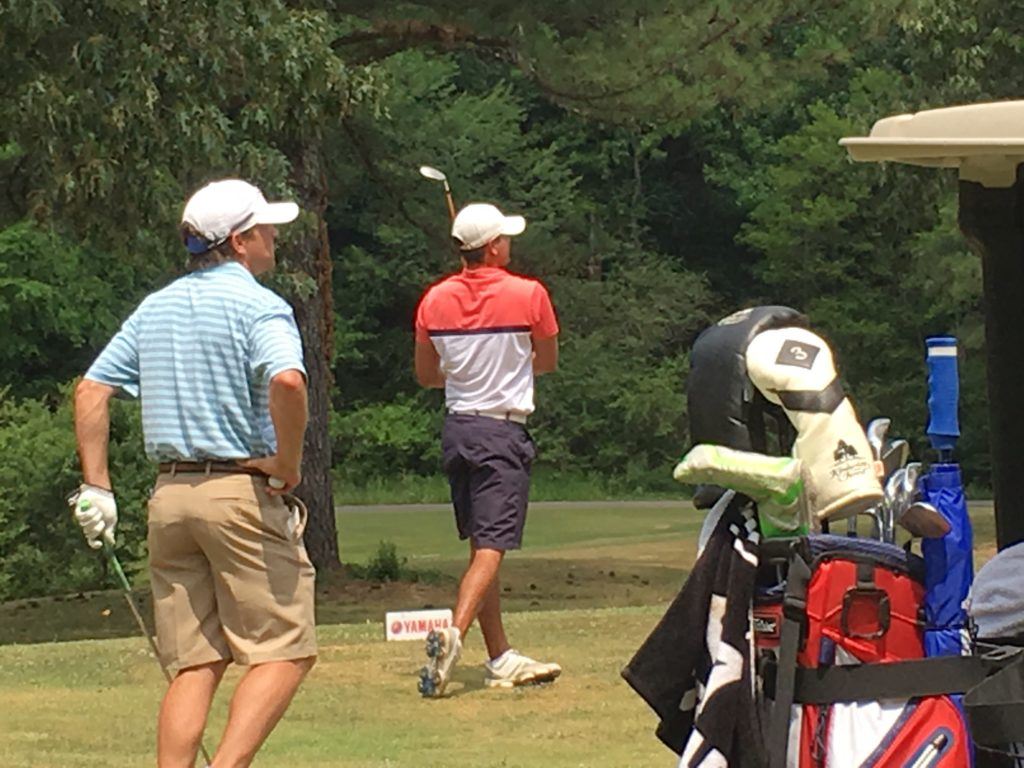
{"points": [[126, 589], [448, 198]]}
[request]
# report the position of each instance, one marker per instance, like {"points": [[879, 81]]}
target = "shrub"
{"points": [[42, 550], [385, 439], [385, 565]]}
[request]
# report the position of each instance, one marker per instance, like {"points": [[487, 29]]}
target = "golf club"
{"points": [[925, 521], [126, 590], [433, 174], [895, 455], [893, 499], [905, 494], [876, 431]]}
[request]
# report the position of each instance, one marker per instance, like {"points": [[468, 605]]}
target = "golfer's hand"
{"points": [[95, 510], [278, 469]]}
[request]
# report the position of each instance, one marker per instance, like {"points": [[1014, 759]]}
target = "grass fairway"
{"points": [[591, 583], [93, 703]]}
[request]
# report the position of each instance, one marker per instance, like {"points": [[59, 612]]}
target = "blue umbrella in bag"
{"points": [[949, 560]]}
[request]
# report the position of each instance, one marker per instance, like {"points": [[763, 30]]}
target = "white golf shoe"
{"points": [[512, 669], [444, 647]]}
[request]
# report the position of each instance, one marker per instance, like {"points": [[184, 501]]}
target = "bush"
{"points": [[383, 440], [42, 550], [385, 565]]}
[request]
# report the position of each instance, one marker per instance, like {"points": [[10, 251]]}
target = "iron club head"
{"points": [[876, 432], [910, 476], [895, 455], [893, 501], [432, 173]]}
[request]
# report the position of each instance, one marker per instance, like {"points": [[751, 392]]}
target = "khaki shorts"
{"points": [[230, 576]]}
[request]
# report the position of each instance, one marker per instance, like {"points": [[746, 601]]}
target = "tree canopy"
{"points": [[674, 162]]}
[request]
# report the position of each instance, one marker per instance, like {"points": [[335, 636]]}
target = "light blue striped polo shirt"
{"points": [[201, 353]]}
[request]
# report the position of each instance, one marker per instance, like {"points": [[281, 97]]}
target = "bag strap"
{"points": [[892, 680], [794, 619], [995, 708]]}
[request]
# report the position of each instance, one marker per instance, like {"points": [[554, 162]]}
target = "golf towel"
{"points": [[694, 669]]}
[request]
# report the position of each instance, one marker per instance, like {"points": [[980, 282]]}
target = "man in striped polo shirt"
{"points": [[217, 362], [483, 334]]}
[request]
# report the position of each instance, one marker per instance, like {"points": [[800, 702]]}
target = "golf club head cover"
{"points": [[762, 478], [793, 368]]}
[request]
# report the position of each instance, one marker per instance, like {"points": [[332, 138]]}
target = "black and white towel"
{"points": [[695, 668]]}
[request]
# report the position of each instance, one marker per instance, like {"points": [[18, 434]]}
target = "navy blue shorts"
{"points": [[488, 466]]}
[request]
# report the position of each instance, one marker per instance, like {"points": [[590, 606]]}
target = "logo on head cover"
{"points": [[844, 451], [847, 462], [797, 353], [735, 317]]}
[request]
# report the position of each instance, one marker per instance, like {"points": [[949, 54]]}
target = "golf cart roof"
{"points": [[985, 141]]}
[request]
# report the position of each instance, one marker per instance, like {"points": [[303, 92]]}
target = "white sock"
{"points": [[498, 660]]}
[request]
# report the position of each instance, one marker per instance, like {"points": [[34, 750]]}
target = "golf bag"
{"points": [[847, 609]]}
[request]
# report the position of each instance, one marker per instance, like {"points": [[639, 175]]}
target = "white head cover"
{"points": [[231, 205], [479, 223]]}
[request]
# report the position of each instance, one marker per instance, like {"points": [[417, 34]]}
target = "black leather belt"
{"points": [[208, 468]]}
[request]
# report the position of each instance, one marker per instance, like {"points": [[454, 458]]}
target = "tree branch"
{"points": [[389, 37], [379, 179]]}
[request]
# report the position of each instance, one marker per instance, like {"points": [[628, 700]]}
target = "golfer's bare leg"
{"points": [[261, 698], [489, 617], [477, 581], [183, 714]]}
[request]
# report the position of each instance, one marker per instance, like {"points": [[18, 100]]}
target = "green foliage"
{"points": [[384, 440], [41, 547], [58, 303], [674, 162], [386, 565]]}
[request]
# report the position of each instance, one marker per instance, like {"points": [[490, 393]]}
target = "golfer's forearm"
{"points": [[289, 413], [431, 379], [545, 355], [92, 430], [427, 364]]}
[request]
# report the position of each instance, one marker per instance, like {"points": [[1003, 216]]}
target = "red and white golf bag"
{"points": [[832, 643]]}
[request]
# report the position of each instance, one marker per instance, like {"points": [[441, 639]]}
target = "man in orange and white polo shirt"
{"points": [[483, 334]]}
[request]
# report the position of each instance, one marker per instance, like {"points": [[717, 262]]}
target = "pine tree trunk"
{"points": [[314, 315]]}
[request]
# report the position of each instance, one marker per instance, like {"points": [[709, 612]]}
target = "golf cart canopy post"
{"points": [[986, 143]]}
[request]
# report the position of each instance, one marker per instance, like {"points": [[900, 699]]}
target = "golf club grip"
{"points": [[943, 392]]}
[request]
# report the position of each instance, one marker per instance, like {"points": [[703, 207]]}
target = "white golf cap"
{"points": [[479, 223], [231, 205]]}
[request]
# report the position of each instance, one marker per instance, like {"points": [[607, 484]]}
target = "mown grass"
{"points": [[590, 584], [544, 486], [94, 703], [575, 555]]}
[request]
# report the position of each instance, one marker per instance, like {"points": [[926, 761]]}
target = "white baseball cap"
{"points": [[479, 223], [222, 208]]}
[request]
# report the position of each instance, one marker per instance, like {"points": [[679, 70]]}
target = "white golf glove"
{"points": [[96, 511]]}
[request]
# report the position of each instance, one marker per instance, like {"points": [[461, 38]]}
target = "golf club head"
{"points": [[893, 502], [911, 474], [432, 173], [924, 520], [895, 455], [893, 487], [876, 432]]}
